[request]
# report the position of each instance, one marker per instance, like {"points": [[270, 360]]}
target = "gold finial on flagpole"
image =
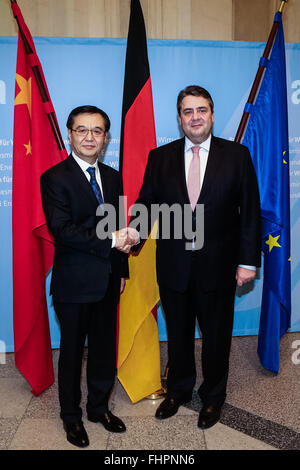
{"points": [[163, 391], [283, 2], [157, 395]]}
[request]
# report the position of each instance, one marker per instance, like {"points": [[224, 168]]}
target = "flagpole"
{"points": [[42, 89], [257, 81]]}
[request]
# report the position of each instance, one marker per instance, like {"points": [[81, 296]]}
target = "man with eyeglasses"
{"points": [[88, 272]]}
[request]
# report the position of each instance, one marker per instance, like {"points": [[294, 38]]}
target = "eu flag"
{"points": [[267, 139]]}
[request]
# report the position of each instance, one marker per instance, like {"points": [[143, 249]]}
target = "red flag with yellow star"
{"points": [[35, 150]]}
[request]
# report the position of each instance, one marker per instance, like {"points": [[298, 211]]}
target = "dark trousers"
{"points": [[96, 322], [214, 311]]}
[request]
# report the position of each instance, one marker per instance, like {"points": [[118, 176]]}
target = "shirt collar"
{"points": [[82, 163], [205, 145]]}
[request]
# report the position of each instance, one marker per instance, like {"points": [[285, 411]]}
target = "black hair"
{"points": [[88, 109]]}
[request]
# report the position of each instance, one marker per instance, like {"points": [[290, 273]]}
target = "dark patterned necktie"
{"points": [[95, 186]]}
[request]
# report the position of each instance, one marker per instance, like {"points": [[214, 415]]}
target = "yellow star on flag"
{"points": [[284, 161], [273, 242], [28, 147], [24, 95]]}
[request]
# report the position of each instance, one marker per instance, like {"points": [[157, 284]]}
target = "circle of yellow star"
{"points": [[272, 241], [24, 95], [284, 161], [28, 147]]}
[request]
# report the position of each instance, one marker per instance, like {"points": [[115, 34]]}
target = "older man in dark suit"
{"points": [[200, 283], [88, 271]]}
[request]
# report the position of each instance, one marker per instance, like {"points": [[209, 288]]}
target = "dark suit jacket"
{"points": [[82, 263], [231, 213]]}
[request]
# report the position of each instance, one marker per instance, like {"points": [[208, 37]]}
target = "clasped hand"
{"points": [[126, 238]]}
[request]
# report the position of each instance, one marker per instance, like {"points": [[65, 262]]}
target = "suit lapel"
{"points": [[81, 182], [213, 167], [182, 176], [106, 183]]}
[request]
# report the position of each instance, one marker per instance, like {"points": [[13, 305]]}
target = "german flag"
{"points": [[138, 348]]}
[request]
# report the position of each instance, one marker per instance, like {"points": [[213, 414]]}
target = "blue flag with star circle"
{"points": [[267, 139]]}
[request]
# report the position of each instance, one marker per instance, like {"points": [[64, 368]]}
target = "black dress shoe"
{"points": [[111, 422], [167, 408], [209, 416], [76, 434]]}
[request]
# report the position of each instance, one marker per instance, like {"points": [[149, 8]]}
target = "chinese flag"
{"points": [[138, 348], [35, 150]]}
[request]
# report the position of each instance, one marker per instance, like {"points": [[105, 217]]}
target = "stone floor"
{"points": [[262, 410]]}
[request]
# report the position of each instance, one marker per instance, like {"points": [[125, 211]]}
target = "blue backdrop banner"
{"points": [[91, 71]]}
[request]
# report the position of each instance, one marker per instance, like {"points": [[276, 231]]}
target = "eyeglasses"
{"points": [[83, 132]]}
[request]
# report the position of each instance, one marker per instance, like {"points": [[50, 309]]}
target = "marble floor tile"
{"points": [[40, 434], [8, 368], [148, 433], [265, 430], [262, 392], [249, 358], [8, 428], [45, 405], [221, 437], [48, 434], [15, 395], [261, 410], [273, 401]]}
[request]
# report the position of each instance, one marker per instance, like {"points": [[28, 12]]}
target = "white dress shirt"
{"points": [[85, 165]]}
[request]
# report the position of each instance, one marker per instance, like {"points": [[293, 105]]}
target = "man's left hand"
{"points": [[244, 275]]}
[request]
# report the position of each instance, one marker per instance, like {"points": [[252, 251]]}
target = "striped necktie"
{"points": [[95, 186]]}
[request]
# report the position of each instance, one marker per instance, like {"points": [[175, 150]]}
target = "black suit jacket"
{"points": [[82, 262], [231, 214]]}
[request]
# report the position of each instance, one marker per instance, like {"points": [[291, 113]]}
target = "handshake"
{"points": [[126, 238]]}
